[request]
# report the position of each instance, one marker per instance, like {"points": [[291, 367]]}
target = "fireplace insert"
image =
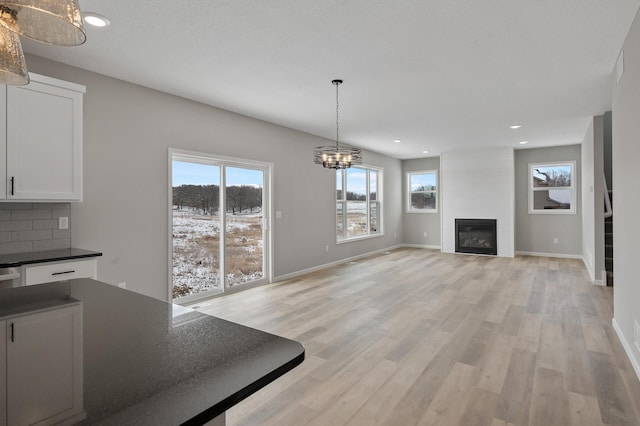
{"points": [[476, 236]]}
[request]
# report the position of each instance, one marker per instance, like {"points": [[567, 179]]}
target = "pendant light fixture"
{"points": [[57, 22], [13, 69], [338, 156]]}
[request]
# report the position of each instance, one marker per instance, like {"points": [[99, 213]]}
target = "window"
{"points": [[422, 188], [359, 203], [552, 188]]}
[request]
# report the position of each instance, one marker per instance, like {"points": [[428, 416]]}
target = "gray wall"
{"points": [[588, 195], [626, 201], [416, 224], [597, 206], [608, 120], [535, 232], [592, 152], [127, 132], [27, 227]]}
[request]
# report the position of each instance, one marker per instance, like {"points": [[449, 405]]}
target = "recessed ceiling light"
{"points": [[397, 140], [95, 20], [515, 126], [425, 152], [523, 142]]}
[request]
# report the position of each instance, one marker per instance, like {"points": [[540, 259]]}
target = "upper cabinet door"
{"points": [[44, 141]]}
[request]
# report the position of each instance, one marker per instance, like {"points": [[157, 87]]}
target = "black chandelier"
{"points": [[338, 156]]}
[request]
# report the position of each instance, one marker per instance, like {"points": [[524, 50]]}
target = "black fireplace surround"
{"points": [[476, 236]]}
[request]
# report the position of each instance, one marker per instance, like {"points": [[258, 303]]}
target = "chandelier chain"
{"points": [[337, 116]]}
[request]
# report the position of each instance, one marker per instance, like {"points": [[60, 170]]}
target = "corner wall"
{"points": [[535, 233], [414, 225], [626, 202]]}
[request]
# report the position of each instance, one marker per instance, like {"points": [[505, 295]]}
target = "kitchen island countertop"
{"points": [[148, 362]]}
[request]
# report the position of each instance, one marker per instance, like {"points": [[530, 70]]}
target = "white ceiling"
{"points": [[439, 74]]}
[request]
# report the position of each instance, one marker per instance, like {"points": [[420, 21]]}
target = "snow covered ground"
{"points": [[196, 242]]}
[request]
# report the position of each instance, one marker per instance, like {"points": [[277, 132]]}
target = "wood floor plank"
{"points": [[515, 398], [549, 404], [614, 401], [583, 410], [355, 396], [495, 370], [578, 376], [416, 335], [480, 409], [529, 333], [456, 387], [551, 349]]}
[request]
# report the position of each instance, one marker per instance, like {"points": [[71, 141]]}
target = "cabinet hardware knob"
{"points": [[13, 179], [12, 336]]}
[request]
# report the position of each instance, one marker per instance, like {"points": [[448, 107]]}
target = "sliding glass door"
{"points": [[244, 230], [219, 241]]}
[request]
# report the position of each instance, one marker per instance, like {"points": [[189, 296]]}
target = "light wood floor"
{"points": [[417, 337]]}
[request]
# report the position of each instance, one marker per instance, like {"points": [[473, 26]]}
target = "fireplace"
{"points": [[476, 236]]}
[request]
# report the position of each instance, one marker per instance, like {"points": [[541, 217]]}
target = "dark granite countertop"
{"points": [[148, 362], [19, 259]]}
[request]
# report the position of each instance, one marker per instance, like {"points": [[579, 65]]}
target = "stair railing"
{"points": [[608, 210]]}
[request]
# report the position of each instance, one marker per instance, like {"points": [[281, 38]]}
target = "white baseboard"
{"points": [[331, 264], [565, 256], [592, 275], [560, 255], [348, 259], [421, 246], [627, 348]]}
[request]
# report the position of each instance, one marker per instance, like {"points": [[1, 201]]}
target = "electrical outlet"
{"points": [[636, 334], [326, 248], [122, 285], [63, 222], [425, 235], [555, 241]]}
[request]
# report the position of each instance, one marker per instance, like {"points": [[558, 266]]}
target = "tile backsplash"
{"points": [[27, 227]]}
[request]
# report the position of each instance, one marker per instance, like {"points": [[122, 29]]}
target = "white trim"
{"points": [[627, 348], [54, 82], [423, 246], [359, 238], [223, 162], [332, 264], [367, 168], [559, 255], [591, 274], [350, 259], [531, 190], [407, 205]]}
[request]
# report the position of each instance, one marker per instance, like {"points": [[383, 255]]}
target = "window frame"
{"points": [[572, 188], [378, 201], [408, 208]]}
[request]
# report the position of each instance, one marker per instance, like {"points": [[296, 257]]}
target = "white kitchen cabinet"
{"points": [[43, 142], [3, 142], [44, 367], [60, 271]]}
